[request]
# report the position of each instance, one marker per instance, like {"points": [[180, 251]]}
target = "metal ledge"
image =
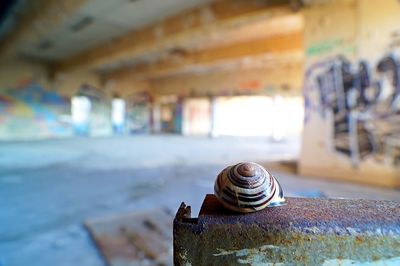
{"points": [[303, 232]]}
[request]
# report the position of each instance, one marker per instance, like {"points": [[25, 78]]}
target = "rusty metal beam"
{"points": [[304, 232]]}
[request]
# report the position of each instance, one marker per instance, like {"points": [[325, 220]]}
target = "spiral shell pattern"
{"points": [[247, 187]]}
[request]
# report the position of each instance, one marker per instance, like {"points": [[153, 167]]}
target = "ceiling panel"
{"points": [[109, 19], [98, 8], [65, 42], [141, 13]]}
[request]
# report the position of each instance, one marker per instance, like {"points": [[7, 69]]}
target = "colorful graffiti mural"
{"points": [[364, 104], [138, 107], [30, 111], [100, 111], [171, 113]]}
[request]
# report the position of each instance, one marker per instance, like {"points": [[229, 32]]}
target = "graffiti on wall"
{"points": [[30, 111], [364, 104], [328, 46], [171, 113], [138, 107], [100, 110]]}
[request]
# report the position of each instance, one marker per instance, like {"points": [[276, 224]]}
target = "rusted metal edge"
{"points": [[304, 232]]}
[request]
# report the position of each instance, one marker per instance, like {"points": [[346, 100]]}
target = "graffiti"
{"points": [[329, 46], [364, 103], [394, 40], [171, 113], [100, 111], [139, 112], [250, 85], [30, 111]]}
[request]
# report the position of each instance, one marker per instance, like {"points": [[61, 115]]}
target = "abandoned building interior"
{"points": [[113, 112]]}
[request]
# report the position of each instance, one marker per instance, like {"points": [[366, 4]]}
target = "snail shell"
{"points": [[247, 187]]}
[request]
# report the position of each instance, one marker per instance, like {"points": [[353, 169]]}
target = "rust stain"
{"points": [[360, 231]]}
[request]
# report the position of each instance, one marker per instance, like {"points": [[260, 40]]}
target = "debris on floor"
{"points": [[141, 238]]}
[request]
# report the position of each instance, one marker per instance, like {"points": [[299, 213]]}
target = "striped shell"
{"points": [[247, 187]]}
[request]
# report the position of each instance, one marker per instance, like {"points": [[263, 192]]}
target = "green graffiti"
{"points": [[323, 47]]}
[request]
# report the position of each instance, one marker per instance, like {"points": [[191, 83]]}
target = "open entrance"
{"points": [[277, 117], [80, 114], [196, 116], [171, 114], [118, 115]]}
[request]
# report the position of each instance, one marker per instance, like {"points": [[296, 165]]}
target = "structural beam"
{"points": [[270, 48], [303, 232], [191, 30]]}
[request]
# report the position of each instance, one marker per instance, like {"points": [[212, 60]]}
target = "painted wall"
{"points": [[99, 122], [352, 91], [29, 111], [35, 106], [138, 112], [197, 116], [28, 108]]}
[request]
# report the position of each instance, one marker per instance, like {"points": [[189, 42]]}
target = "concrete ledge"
{"points": [[304, 232]]}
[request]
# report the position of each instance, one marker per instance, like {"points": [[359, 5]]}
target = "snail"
{"points": [[247, 187]]}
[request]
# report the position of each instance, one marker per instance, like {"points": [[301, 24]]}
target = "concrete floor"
{"points": [[48, 188]]}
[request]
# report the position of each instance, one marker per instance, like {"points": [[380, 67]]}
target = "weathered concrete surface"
{"points": [[303, 232]]}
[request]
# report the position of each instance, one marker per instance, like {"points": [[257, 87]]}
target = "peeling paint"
{"points": [[357, 232], [387, 262], [253, 256], [244, 252], [184, 259]]}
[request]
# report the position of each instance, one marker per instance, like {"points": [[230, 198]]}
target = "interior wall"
{"points": [[36, 105], [351, 90], [138, 101], [88, 84], [29, 108]]}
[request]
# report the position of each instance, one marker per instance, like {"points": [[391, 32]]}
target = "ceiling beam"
{"points": [[252, 52], [190, 31]]}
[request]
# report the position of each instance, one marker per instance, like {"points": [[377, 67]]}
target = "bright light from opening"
{"points": [[279, 120], [243, 116], [278, 117], [196, 116], [118, 112], [80, 110]]}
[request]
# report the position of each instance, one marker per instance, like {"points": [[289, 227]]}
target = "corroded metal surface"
{"points": [[304, 232]]}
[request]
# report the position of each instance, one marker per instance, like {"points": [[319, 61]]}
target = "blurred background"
{"points": [[113, 112]]}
